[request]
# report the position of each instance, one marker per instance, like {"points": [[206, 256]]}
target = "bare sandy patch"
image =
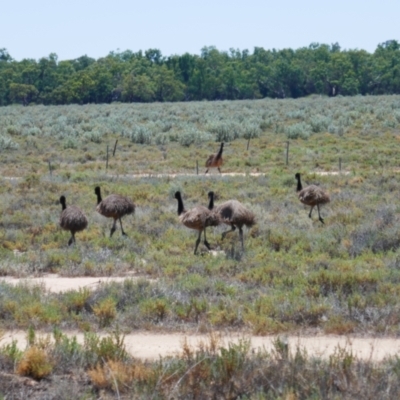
{"points": [[175, 175], [58, 284], [151, 346], [331, 173], [209, 175]]}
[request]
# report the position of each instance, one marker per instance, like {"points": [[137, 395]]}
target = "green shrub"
{"points": [[70, 143], [7, 143], [154, 309], [97, 349], [224, 131], [93, 136], [35, 363], [251, 130], [193, 136], [105, 311], [320, 123], [299, 130], [141, 135]]}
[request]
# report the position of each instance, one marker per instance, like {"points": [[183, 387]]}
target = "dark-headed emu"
{"points": [[198, 218], [114, 206], [72, 219], [215, 160], [312, 196], [234, 214]]}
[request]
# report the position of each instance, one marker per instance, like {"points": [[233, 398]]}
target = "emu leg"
{"points": [[219, 169], [319, 215], [72, 239], [122, 230], [241, 237], [226, 232], [205, 241], [197, 242], [206, 171], [113, 228], [312, 208]]}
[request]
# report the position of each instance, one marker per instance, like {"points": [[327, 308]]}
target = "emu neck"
{"points": [[299, 185], [219, 155], [99, 199], [63, 203], [211, 203], [181, 209]]}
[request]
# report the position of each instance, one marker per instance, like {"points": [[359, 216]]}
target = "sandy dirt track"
{"points": [[58, 284], [155, 175], [55, 283], [201, 174], [151, 346]]}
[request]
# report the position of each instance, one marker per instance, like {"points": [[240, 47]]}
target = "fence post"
{"points": [[287, 152], [107, 159], [197, 167], [51, 174], [115, 147]]}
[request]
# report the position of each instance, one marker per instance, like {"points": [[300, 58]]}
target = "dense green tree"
{"points": [[186, 63], [362, 68], [6, 76], [386, 61], [341, 78], [21, 93], [64, 71], [47, 81], [83, 62], [167, 87], [154, 55], [4, 91], [212, 75], [138, 88], [4, 56], [78, 89]]}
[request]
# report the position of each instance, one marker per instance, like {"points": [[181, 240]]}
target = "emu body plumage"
{"points": [[234, 214], [312, 196], [72, 219], [198, 218], [215, 160], [114, 206]]}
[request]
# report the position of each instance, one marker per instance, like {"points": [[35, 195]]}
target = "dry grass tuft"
{"points": [[105, 311], [118, 376], [35, 363]]}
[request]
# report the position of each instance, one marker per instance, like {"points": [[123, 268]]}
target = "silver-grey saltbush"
{"points": [[192, 135], [7, 143], [300, 130]]}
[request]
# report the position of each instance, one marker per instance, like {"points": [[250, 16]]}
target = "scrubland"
{"points": [[296, 275]]}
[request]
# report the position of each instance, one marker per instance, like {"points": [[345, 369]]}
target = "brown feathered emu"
{"points": [[114, 206], [312, 196], [72, 219], [198, 218], [215, 160], [234, 214]]}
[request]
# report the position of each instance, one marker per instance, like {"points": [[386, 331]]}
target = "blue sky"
{"points": [[36, 28]]}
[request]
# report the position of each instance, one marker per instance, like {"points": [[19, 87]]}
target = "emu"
{"points": [[114, 206], [198, 218], [234, 214], [72, 219], [215, 160], [312, 196]]}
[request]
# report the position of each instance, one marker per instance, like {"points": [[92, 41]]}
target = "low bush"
{"points": [[35, 363]]}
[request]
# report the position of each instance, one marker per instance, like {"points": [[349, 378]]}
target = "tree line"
{"points": [[213, 75]]}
